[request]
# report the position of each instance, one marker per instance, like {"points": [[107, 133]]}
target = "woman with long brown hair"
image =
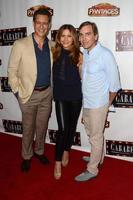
{"points": [[66, 92]]}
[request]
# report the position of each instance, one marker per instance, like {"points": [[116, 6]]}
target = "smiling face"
{"points": [[41, 26], [66, 39], [87, 37]]}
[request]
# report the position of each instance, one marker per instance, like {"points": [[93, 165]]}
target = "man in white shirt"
{"points": [[99, 86]]}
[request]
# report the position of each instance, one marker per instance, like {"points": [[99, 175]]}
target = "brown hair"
{"points": [[93, 25], [74, 50], [42, 11]]}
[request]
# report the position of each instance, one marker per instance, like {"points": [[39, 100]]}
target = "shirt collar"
{"points": [[35, 43], [93, 50]]}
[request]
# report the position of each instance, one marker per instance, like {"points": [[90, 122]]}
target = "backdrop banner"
{"points": [[114, 21]]}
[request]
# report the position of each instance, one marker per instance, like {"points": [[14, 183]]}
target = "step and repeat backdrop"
{"points": [[114, 21]]}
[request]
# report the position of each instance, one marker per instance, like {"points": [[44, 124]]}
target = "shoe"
{"points": [[25, 166], [86, 158], [85, 176], [57, 170], [65, 158], [42, 158]]}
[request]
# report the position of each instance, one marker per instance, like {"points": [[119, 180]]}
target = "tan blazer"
{"points": [[22, 68]]}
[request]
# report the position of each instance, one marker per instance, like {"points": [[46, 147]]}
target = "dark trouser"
{"points": [[67, 113]]}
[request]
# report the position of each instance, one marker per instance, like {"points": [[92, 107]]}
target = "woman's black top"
{"points": [[66, 79]]}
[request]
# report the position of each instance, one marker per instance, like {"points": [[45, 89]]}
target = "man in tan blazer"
{"points": [[29, 74]]}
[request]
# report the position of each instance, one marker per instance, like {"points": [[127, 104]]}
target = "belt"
{"points": [[41, 88]]}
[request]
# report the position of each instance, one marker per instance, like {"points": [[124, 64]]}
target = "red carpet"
{"points": [[115, 180]]}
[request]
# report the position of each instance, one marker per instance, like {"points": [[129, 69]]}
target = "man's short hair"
{"points": [[42, 11], [92, 24]]}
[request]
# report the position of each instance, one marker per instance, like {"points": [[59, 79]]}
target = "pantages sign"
{"points": [[30, 11], [124, 99], [103, 9]]}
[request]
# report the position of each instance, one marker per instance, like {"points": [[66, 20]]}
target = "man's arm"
{"points": [[13, 66], [113, 76], [111, 97]]}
